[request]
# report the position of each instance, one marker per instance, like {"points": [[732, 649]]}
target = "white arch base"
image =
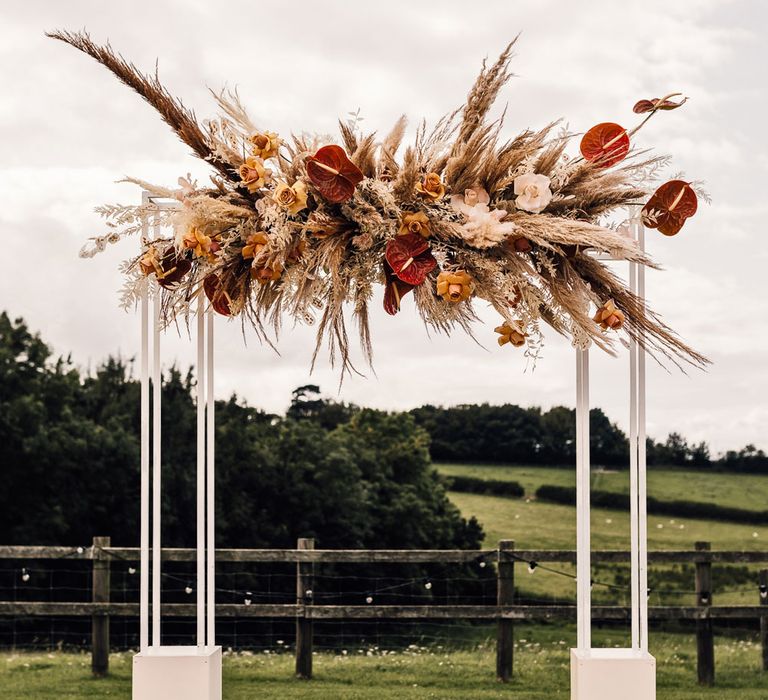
{"points": [[175, 672], [606, 674]]}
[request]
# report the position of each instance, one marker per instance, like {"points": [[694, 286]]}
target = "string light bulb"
{"points": [[482, 564], [763, 591], [428, 585], [532, 566], [80, 550], [188, 590], [24, 575], [131, 570], [369, 600], [247, 600]]}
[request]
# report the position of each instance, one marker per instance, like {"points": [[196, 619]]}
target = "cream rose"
{"points": [[292, 198], [533, 193]]}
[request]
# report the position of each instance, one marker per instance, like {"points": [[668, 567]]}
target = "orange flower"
{"points": [[415, 223], [199, 242], [609, 317], [149, 262], [254, 245], [266, 273], [265, 144], [292, 198], [431, 187], [253, 174], [510, 334], [455, 286]]}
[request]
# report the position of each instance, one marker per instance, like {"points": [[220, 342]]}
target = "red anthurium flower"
{"points": [[605, 144], [410, 258], [408, 261], [333, 174], [217, 295], [174, 267], [394, 291], [671, 204]]}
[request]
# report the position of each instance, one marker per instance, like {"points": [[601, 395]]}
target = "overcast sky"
{"points": [[69, 130]]}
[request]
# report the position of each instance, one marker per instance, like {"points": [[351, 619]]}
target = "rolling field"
{"points": [[540, 525], [740, 490]]}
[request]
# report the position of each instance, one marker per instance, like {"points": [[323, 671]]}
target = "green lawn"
{"points": [[541, 672], [739, 490]]}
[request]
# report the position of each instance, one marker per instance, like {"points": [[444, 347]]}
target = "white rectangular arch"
{"points": [[597, 673], [162, 672]]}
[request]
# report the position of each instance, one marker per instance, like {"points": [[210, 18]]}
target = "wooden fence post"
{"points": [[505, 595], [100, 621], [705, 643], [304, 571], [763, 582]]}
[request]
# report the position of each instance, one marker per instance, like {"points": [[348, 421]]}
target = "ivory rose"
{"points": [[533, 193], [292, 198]]}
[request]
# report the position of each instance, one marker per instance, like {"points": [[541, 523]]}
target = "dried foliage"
{"points": [[306, 228]]}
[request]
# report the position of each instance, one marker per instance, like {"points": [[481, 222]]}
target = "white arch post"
{"points": [[163, 672], [608, 673]]}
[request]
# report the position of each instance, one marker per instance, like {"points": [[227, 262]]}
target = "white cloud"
{"points": [[69, 130]]}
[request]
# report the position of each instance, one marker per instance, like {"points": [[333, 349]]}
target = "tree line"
{"points": [[348, 476]]}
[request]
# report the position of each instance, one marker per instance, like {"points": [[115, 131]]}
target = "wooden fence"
{"points": [[305, 611]]}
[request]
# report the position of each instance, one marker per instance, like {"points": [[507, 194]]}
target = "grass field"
{"points": [[541, 672], [539, 525], [740, 490]]}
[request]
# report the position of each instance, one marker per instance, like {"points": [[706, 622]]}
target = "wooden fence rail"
{"points": [[305, 611]]}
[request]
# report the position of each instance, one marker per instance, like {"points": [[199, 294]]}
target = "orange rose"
{"points": [[254, 245], [431, 187], [199, 242], [415, 223], [149, 262], [455, 286], [510, 334], [292, 198], [609, 317], [266, 273], [253, 174], [265, 144]]}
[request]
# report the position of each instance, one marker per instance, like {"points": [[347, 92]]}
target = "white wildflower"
{"points": [[484, 227]]}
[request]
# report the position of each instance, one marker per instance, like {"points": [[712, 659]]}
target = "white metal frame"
{"points": [[637, 461], [151, 472], [151, 469]]}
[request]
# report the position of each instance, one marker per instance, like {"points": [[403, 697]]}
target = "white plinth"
{"points": [[609, 674], [177, 673]]}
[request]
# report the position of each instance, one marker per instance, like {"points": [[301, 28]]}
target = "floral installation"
{"points": [[305, 227]]}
